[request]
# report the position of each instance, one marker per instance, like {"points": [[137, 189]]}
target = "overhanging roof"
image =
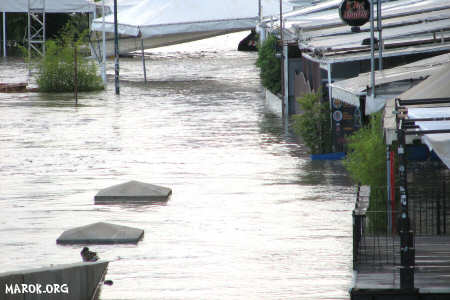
{"points": [[51, 6], [350, 90], [436, 86]]}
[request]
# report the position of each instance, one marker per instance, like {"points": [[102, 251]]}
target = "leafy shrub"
{"points": [[56, 68], [269, 64], [366, 159], [314, 124]]}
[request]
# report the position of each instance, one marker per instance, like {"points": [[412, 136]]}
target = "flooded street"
{"points": [[251, 217]]}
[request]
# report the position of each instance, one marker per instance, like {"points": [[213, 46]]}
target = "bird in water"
{"points": [[88, 256]]}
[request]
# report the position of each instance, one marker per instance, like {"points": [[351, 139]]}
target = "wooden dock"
{"points": [[376, 280]]}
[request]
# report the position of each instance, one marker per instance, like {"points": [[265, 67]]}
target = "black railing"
{"points": [[376, 229], [374, 244]]}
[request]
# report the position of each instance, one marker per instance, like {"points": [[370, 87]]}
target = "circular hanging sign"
{"points": [[337, 116], [355, 12]]}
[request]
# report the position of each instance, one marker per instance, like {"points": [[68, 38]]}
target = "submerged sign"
{"points": [[355, 12]]}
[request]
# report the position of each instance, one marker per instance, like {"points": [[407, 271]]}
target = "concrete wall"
{"points": [[273, 104], [75, 282]]}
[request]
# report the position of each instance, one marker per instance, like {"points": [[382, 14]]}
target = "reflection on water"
{"points": [[251, 217]]}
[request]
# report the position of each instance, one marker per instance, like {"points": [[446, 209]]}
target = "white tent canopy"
{"points": [[51, 6], [436, 86], [152, 18], [440, 142]]}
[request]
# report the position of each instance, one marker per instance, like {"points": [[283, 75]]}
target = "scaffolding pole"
{"points": [[4, 34]]}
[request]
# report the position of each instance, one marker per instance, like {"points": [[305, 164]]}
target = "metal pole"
{"points": [[259, 11], [330, 96], [116, 51], [388, 200], [282, 59], [29, 37], [372, 51], [75, 74], [4, 34], [103, 44], [143, 59], [407, 251], [281, 20], [380, 36], [286, 80], [43, 28]]}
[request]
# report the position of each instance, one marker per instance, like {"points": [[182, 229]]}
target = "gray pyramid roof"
{"points": [[133, 191], [101, 233]]}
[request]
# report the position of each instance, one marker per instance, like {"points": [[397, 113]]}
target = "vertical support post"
{"points": [[4, 34], [43, 28], [116, 51], [380, 36], [259, 11], [75, 73], [143, 59], [283, 92], [29, 36], [286, 81], [372, 51], [388, 200], [392, 192], [407, 251], [262, 30], [103, 44], [330, 95]]}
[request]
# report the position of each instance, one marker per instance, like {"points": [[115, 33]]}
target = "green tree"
{"points": [[314, 124], [269, 64], [56, 68]]}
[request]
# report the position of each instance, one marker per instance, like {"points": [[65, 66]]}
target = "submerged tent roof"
{"points": [[101, 233], [162, 17], [51, 6]]}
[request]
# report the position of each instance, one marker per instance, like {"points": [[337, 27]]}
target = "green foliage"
{"points": [[314, 124], [366, 163], [56, 69], [366, 158], [270, 66]]}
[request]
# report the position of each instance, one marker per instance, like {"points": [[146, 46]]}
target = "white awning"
{"points": [[440, 142], [350, 90], [153, 18], [435, 86], [51, 6]]}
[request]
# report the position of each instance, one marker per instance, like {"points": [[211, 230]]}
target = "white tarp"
{"points": [[436, 86], [350, 90], [165, 17], [439, 142], [51, 6]]}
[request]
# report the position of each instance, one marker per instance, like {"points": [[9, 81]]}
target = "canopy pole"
{"points": [[372, 51], [116, 51], [286, 80], [380, 37], [103, 45], [143, 59], [4, 34]]}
